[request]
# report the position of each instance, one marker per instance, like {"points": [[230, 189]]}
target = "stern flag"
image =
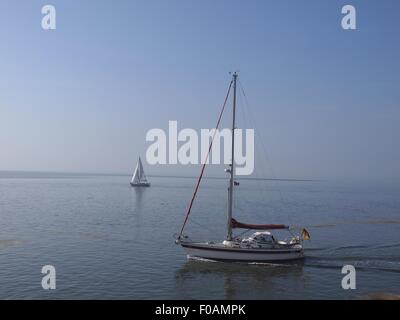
{"points": [[305, 235]]}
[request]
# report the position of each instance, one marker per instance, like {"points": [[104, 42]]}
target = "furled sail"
{"points": [[239, 225]]}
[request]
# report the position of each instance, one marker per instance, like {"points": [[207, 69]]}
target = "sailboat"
{"points": [[139, 178], [261, 246]]}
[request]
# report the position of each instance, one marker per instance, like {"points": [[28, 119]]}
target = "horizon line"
{"points": [[149, 175]]}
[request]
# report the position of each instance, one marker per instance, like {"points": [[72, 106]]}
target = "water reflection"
{"points": [[255, 281], [137, 198], [135, 212]]}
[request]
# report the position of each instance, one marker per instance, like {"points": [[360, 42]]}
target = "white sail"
{"points": [[139, 176], [142, 176], [135, 177]]}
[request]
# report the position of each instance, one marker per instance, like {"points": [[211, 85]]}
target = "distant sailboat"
{"points": [[139, 178]]}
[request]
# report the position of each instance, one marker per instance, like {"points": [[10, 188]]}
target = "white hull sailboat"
{"points": [[261, 246], [222, 252], [139, 178]]}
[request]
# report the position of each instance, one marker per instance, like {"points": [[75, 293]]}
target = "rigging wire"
{"points": [[248, 124], [206, 227], [263, 146], [237, 198], [205, 161]]}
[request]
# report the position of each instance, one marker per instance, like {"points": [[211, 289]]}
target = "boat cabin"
{"points": [[264, 237]]}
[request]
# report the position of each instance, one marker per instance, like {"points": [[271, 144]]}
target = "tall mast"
{"points": [[232, 166]]}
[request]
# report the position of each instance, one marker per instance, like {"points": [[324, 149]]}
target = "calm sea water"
{"points": [[108, 240]]}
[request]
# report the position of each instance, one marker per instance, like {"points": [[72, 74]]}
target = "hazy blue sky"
{"points": [[82, 97]]}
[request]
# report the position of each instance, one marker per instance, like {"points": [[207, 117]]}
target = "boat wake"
{"points": [[201, 259], [270, 264], [363, 257], [382, 246], [349, 222]]}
